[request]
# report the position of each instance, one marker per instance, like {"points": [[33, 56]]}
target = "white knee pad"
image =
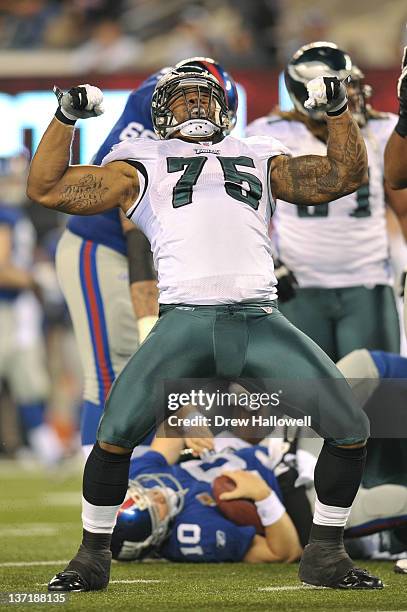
{"points": [[361, 372]]}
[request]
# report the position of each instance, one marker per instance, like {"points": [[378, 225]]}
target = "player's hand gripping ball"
{"points": [[240, 511]]}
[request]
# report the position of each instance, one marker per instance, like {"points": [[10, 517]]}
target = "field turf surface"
{"points": [[40, 530]]}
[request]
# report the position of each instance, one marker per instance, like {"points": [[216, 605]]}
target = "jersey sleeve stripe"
{"points": [[270, 195], [142, 170]]}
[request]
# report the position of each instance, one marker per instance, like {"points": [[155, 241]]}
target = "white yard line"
{"points": [[61, 499], [297, 587], [32, 563], [139, 580], [16, 530]]}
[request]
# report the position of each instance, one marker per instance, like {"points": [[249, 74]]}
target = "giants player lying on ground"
{"points": [[170, 510]]}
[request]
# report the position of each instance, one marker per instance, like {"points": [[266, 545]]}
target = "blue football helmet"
{"points": [[224, 79], [139, 530]]}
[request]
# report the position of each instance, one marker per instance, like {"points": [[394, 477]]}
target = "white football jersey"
{"points": [[205, 208], [343, 243]]}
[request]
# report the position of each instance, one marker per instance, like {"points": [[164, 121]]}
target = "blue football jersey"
{"points": [[135, 121], [200, 533], [23, 239], [390, 365]]}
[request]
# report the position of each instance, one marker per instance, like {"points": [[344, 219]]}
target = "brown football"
{"points": [[239, 511]]}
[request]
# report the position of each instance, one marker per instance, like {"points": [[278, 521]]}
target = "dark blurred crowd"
{"points": [[120, 34]]}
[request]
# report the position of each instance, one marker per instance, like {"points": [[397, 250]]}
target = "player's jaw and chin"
{"points": [[184, 107]]}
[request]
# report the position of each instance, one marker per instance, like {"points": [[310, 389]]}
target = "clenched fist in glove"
{"points": [[79, 102], [401, 127], [327, 94]]}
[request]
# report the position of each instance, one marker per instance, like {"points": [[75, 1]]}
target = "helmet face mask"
{"points": [[140, 530], [189, 101], [224, 78], [324, 59]]}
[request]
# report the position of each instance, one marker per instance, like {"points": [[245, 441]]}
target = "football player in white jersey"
{"points": [[204, 201], [339, 254]]}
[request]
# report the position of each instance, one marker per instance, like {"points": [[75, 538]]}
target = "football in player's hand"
{"points": [[239, 511]]}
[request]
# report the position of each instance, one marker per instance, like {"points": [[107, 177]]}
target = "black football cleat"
{"points": [[358, 578], [69, 581], [89, 570], [328, 565]]}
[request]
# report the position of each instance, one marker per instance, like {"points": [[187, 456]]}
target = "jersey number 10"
{"points": [[241, 186]]}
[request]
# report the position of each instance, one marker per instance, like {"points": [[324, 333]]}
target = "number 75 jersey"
{"points": [[205, 209], [343, 243]]}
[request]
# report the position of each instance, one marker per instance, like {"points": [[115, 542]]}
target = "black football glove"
{"points": [[287, 283], [79, 102], [401, 127]]}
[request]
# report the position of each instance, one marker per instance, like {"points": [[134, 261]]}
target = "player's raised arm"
{"points": [[316, 179], [395, 155], [80, 190]]}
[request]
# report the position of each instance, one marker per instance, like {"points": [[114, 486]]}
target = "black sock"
{"points": [[105, 477], [338, 474]]}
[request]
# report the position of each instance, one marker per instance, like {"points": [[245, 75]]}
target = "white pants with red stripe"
{"points": [[94, 281]]}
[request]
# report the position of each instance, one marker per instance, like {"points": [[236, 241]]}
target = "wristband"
{"points": [[339, 111], [144, 326], [270, 510], [63, 118]]}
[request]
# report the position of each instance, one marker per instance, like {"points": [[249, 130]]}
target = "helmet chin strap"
{"points": [[197, 128]]}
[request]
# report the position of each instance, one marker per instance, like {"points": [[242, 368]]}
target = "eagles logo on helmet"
{"points": [[325, 59], [204, 102], [140, 530]]}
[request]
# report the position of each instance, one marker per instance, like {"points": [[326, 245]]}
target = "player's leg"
{"points": [[94, 280], [27, 374], [179, 346], [369, 320], [361, 372], [283, 355], [30, 387], [376, 509], [309, 311]]}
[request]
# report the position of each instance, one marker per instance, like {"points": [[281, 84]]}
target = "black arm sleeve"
{"points": [[140, 257]]}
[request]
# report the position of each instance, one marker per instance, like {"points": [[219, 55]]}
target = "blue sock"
{"points": [[32, 415]]}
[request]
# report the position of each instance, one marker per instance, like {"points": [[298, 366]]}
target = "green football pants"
{"points": [[240, 341], [343, 320]]}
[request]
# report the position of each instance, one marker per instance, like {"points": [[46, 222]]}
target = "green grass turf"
{"points": [[40, 521]]}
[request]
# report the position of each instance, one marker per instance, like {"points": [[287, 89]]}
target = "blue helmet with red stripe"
{"points": [[224, 79]]}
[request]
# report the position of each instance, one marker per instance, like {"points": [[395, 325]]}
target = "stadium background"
{"points": [[43, 42]]}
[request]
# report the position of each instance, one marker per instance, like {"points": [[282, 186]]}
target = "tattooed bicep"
{"points": [[91, 190], [84, 194], [309, 180]]}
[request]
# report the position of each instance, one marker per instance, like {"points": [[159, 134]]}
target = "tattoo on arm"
{"points": [[313, 179], [85, 195]]}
